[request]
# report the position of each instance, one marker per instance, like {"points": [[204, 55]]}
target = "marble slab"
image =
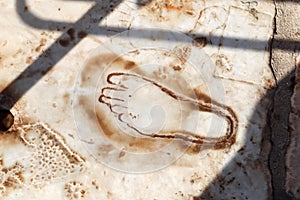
{"points": [[193, 79]]}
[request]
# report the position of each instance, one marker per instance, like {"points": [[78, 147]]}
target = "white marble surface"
{"points": [[237, 36]]}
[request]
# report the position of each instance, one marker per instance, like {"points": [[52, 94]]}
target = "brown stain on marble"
{"points": [[269, 83], [97, 63], [105, 149], [89, 108], [66, 98], [64, 42], [130, 65], [82, 34], [176, 68], [29, 60], [201, 96], [26, 9], [122, 153], [100, 62], [131, 143], [13, 178], [188, 148], [41, 45], [71, 33], [9, 139], [124, 64], [70, 36], [200, 42], [181, 7], [18, 52]]}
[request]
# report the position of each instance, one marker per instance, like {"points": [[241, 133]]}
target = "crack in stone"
{"points": [[271, 44]]}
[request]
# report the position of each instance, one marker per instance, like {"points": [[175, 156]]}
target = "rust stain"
{"points": [[200, 42], [269, 83], [64, 42], [130, 65], [259, 92], [122, 153], [42, 44], [102, 61], [29, 60], [2, 86], [182, 53], [71, 37], [83, 101], [201, 96], [17, 53], [82, 34], [13, 178], [109, 132], [180, 7], [173, 7], [254, 13], [66, 98], [223, 63], [8, 139], [196, 178], [71, 33], [96, 63], [75, 190], [94, 183], [131, 143], [125, 64], [109, 194], [194, 148], [44, 33], [54, 105], [4, 43], [177, 68], [188, 148], [105, 149]]}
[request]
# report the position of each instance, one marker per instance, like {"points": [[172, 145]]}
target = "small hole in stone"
{"points": [[6, 119]]}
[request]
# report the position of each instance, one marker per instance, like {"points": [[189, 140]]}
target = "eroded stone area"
{"points": [[51, 158], [293, 153], [75, 190], [36, 155], [10, 177]]}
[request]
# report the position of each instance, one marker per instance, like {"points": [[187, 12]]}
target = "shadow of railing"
{"points": [[239, 169], [36, 70]]}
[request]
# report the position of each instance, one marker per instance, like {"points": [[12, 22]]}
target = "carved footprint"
{"points": [[123, 88]]}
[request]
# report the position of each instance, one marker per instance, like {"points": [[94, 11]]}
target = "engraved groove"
{"points": [[201, 102]]}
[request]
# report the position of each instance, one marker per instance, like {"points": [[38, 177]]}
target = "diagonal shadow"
{"points": [[35, 71], [237, 171], [33, 21]]}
